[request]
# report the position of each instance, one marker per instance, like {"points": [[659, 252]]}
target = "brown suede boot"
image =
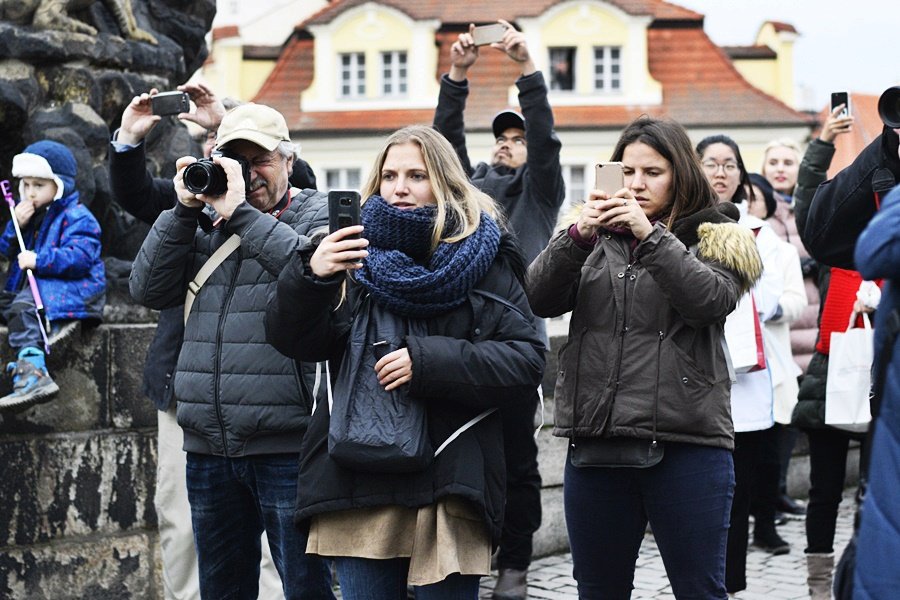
{"points": [[819, 569], [512, 584]]}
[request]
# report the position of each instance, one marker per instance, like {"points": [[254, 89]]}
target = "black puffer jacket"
{"points": [[236, 394], [644, 357], [485, 353]]}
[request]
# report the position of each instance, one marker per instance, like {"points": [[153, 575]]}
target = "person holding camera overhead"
{"points": [[525, 178], [243, 406], [419, 310], [650, 272]]}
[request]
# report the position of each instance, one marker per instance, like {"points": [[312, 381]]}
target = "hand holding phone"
{"points": [[838, 98], [609, 177], [170, 103], [488, 34]]}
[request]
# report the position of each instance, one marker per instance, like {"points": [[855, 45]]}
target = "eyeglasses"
{"points": [[517, 140], [711, 167]]}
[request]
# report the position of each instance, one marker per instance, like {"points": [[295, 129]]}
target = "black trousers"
{"points": [[522, 516], [827, 469], [765, 491], [746, 460]]}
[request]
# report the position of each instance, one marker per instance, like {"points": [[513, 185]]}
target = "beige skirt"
{"points": [[439, 539]]}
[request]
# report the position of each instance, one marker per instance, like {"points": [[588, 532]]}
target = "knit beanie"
{"points": [[47, 160]]}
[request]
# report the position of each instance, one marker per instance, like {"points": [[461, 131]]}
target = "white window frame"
{"points": [[398, 76], [356, 71], [345, 177], [575, 192], [609, 78]]}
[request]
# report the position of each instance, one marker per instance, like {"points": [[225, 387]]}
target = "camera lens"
{"points": [[889, 107], [346, 201], [205, 177]]}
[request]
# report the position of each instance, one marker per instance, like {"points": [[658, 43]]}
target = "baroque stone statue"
{"points": [[56, 14]]}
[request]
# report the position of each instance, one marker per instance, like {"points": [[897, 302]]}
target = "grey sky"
{"points": [[843, 44]]}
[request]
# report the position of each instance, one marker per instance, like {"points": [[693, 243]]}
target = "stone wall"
{"points": [[78, 476]]}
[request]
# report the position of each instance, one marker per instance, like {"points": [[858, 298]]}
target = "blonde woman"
{"points": [[431, 255], [781, 165]]}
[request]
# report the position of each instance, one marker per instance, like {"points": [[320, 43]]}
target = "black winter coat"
{"points": [[145, 197], [482, 354], [236, 394], [531, 195], [843, 206]]}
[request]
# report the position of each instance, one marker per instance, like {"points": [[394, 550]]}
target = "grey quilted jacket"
{"points": [[236, 394]]}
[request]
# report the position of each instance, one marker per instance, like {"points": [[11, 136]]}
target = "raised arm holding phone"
{"points": [[525, 178]]}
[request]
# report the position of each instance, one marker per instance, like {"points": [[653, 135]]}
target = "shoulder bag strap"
{"points": [[211, 264]]}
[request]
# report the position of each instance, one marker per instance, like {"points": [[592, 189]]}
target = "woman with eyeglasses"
{"points": [[755, 444]]}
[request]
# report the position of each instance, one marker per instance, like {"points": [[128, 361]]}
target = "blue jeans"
{"points": [[687, 500], [370, 579], [232, 501]]}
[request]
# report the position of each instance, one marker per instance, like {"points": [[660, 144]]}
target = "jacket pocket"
{"points": [[681, 374]]}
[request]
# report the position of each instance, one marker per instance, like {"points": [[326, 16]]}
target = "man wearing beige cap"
{"points": [[243, 406]]}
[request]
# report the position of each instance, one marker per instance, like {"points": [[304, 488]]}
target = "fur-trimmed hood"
{"points": [[718, 237]]}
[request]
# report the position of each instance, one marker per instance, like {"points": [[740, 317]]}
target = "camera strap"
{"points": [[211, 264]]}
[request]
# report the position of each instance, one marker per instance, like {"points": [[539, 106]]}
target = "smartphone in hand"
{"points": [[170, 103], [488, 34], [838, 98], [343, 210], [609, 177]]}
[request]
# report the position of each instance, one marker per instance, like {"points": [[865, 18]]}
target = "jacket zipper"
{"points": [[656, 394], [625, 278], [217, 370]]}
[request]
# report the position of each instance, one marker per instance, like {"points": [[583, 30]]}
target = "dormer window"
{"points": [[562, 68], [607, 69], [393, 73], [353, 75]]}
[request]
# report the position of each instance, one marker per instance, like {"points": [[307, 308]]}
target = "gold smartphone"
{"points": [[609, 177]]}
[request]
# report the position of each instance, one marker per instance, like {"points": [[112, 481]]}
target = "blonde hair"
{"points": [[782, 143], [458, 201]]}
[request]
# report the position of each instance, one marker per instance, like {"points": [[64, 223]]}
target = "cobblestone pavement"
{"points": [[768, 577]]}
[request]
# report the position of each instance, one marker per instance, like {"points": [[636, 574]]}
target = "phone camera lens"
{"points": [[345, 201]]}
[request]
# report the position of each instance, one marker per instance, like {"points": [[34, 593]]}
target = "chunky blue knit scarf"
{"points": [[401, 273]]}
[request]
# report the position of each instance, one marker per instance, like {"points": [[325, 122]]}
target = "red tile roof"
{"points": [[780, 26], [700, 85], [227, 31], [449, 12], [758, 51]]}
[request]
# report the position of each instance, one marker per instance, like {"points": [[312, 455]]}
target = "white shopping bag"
{"points": [[850, 377], [743, 337]]}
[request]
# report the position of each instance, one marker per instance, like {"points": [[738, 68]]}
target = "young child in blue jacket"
{"points": [[62, 249]]}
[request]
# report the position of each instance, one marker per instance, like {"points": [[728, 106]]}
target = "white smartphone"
{"points": [[609, 177], [488, 34]]}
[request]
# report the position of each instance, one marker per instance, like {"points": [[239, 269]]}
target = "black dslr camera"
{"points": [[889, 107], [206, 177]]}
